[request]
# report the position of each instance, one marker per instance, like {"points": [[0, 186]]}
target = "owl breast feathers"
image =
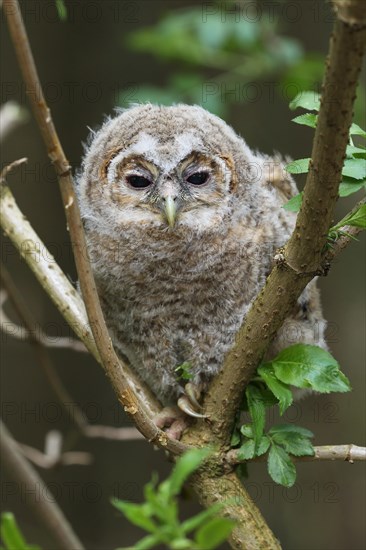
{"points": [[182, 221]]}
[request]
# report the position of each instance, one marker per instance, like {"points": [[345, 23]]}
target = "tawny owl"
{"points": [[182, 221]]}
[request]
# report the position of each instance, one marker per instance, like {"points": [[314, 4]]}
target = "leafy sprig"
{"points": [[354, 167], [158, 515], [11, 535], [300, 366]]}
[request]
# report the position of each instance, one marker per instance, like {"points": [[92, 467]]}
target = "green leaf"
{"points": [[352, 150], [11, 534], [183, 371], [185, 466], [349, 186], [307, 119], [147, 542], [213, 533], [358, 219], [280, 390], [294, 204], [247, 450], [357, 131], [354, 168], [306, 100], [257, 411], [247, 430], [290, 428], [280, 466], [138, 514], [294, 439], [235, 438], [195, 522], [295, 444], [306, 366], [300, 166], [61, 10]]}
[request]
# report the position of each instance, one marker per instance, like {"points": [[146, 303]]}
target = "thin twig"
{"points": [[347, 453], [46, 509], [130, 400]]}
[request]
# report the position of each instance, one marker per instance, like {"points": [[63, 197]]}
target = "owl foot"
{"points": [[173, 421], [189, 402]]}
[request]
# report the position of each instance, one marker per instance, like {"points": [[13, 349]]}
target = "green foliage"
{"points": [[158, 515], [306, 366], [239, 49], [354, 167], [184, 371], [11, 535], [299, 366], [61, 9]]}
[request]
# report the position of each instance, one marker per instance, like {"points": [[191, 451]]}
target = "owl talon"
{"points": [[193, 392], [186, 406]]}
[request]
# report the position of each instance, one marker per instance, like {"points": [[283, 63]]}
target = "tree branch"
{"points": [[304, 251], [348, 453], [114, 367], [48, 511]]}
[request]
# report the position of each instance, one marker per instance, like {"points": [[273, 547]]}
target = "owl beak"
{"points": [[170, 210]]}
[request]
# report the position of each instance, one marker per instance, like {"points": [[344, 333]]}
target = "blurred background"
{"points": [[243, 61]]}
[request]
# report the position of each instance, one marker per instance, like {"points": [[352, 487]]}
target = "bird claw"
{"points": [[189, 403]]}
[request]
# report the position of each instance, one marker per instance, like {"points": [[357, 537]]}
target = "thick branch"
{"points": [[47, 510], [115, 369], [304, 250]]}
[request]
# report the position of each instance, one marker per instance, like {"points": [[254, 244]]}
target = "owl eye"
{"points": [[198, 178], [138, 182]]}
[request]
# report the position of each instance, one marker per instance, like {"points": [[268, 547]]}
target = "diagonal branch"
{"points": [[304, 251], [114, 367]]}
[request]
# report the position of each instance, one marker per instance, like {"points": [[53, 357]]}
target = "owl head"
{"points": [[171, 167]]}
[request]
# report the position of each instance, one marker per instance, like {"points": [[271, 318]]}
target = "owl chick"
{"points": [[182, 222]]}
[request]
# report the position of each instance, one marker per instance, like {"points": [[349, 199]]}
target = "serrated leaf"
{"points": [[138, 514], [300, 166], [263, 446], [278, 388], [306, 366], [257, 411], [354, 168], [307, 100], [357, 130], [280, 466], [348, 187], [353, 150], [185, 466], [290, 428], [307, 119], [294, 204], [358, 219], [213, 533], [247, 450], [294, 444]]}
